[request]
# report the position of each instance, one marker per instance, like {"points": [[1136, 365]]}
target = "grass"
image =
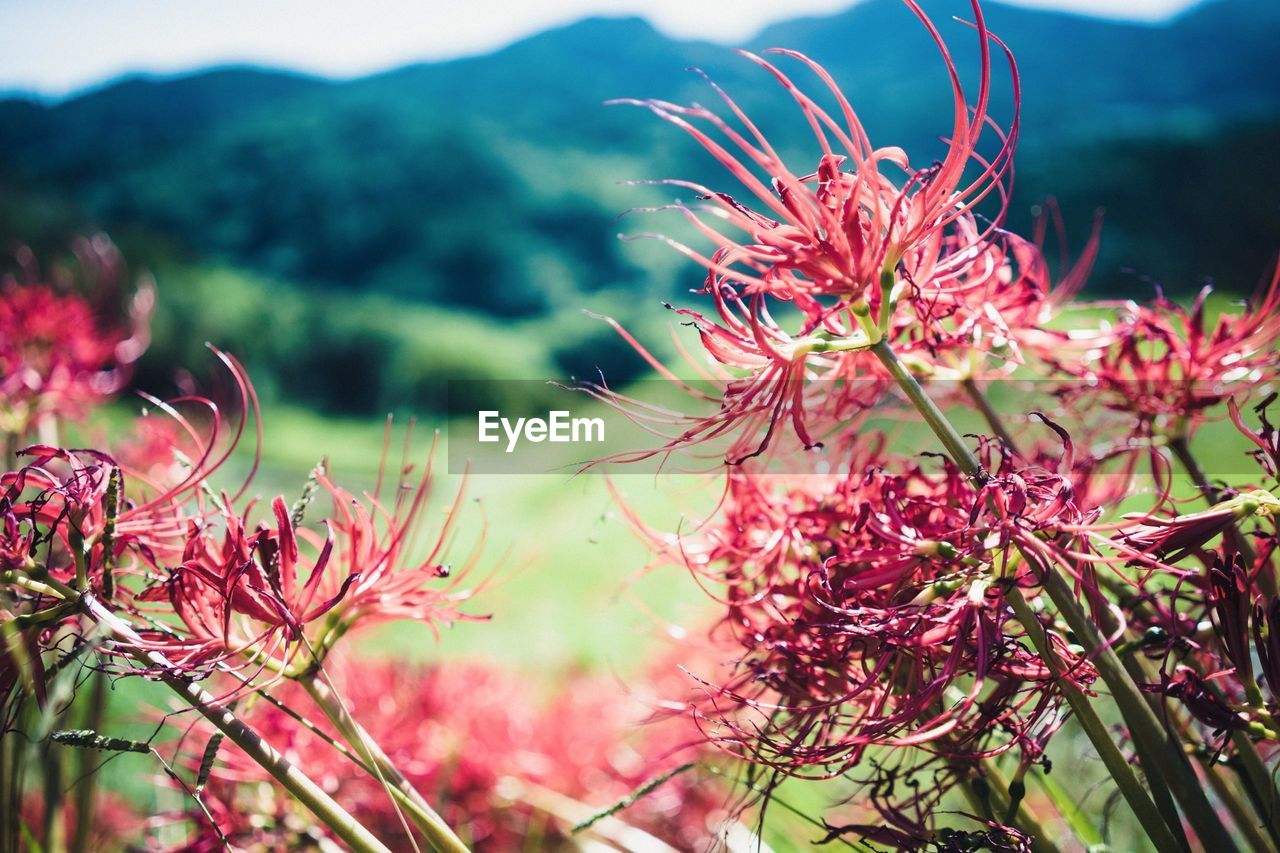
{"points": [[567, 588]]}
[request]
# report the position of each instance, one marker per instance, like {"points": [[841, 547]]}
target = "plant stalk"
{"points": [[437, 832], [1041, 842], [1139, 670], [1257, 780], [86, 772], [1157, 755], [1131, 789], [951, 439], [346, 827], [1155, 742], [1139, 801], [989, 414], [1246, 821]]}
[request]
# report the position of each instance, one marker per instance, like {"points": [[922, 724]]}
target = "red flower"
{"points": [[1266, 438], [840, 247], [120, 521], [59, 352], [1163, 363], [1194, 693], [242, 595], [372, 544], [867, 608], [251, 596], [835, 230], [500, 764], [1169, 540]]}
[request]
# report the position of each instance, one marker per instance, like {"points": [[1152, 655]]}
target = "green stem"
{"points": [[951, 439], [1130, 788], [10, 816], [294, 780], [437, 832], [1026, 819], [1070, 811], [989, 414], [50, 761], [86, 772], [1259, 784], [1260, 781], [1243, 819], [1140, 671], [1150, 817], [342, 749], [1157, 746]]}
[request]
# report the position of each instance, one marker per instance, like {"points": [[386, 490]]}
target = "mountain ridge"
{"points": [[143, 75], [503, 168]]}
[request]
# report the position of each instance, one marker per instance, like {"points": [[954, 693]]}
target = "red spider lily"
{"points": [[504, 767], [375, 545], [58, 352], [1165, 366], [868, 612], [67, 511], [81, 506], [828, 237], [242, 595], [1231, 608], [833, 232], [1217, 684], [1267, 437], [246, 597], [975, 319], [813, 382], [1194, 693], [995, 837], [1266, 637], [1215, 631], [1169, 540], [817, 379]]}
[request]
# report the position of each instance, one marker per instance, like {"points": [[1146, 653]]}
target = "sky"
{"points": [[54, 47]]}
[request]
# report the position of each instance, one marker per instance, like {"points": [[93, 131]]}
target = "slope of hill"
{"points": [[491, 184], [413, 181]]}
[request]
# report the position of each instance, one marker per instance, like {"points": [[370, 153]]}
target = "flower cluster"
{"points": [[864, 249], [133, 561], [1163, 365], [926, 625], [868, 612], [136, 559], [61, 351]]}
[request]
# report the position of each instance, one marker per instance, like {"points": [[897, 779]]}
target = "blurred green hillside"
{"points": [[358, 241]]}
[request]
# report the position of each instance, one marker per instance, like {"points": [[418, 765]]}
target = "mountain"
{"points": [[415, 180], [491, 184], [1081, 76]]}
